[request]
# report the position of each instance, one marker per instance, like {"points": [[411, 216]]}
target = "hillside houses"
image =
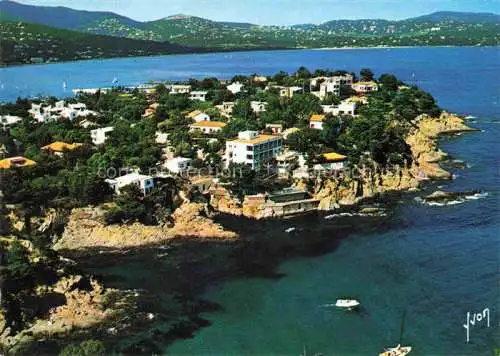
{"points": [[60, 110], [322, 86]]}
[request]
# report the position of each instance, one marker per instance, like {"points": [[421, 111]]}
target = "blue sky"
{"points": [[275, 12]]}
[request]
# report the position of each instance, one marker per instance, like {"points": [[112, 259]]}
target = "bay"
{"points": [[434, 263]]}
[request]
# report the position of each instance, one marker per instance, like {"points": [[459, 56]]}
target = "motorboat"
{"points": [[397, 351], [347, 303]]}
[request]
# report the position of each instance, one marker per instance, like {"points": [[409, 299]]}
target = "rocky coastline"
{"points": [[348, 190], [96, 307]]}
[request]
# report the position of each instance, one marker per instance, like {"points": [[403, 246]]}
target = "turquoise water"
{"points": [[433, 263]]}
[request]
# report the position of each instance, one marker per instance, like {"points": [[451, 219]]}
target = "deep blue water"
{"points": [[434, 263]]}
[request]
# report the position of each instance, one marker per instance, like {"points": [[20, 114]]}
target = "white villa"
{"points": [[198, 116], [44, 113], [365, 87], [99, 136], [144, 182], [330, 85], [332, 161], [198, 95], [226, 108], [275, 128], [235, 87], [258, 106], [287, 162], [207, 127], [253, 149], [288, 92], [346, 107], [9, 120], [161, 138], [180, 89], [316, 121], [178, 164]]}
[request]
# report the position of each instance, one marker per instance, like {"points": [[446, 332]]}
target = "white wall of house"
{"points": [[198, 95], [249, 150], [318, 125], [178, 164], [235, 88], [201, 117], [145, 183], [99, 136], [180, 89]]}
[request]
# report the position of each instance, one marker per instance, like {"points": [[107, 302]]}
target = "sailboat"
{"points": [[64, 86], [398, 350], [115, 80]]}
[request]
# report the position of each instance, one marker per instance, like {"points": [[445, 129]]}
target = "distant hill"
{"points": [[440, 28], [22, 43], [469, 17]]}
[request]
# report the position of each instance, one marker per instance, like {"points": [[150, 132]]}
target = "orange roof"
{"points": [[317, 118], [16, 162], [257, 140], [333, 156], [61, 146], [209, 124]]}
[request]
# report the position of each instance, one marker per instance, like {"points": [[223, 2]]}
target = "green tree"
{"points": [[366, 74], [389, 82], [86, 348]]}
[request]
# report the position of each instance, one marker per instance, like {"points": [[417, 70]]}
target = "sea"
{"points": [[422, 273]]}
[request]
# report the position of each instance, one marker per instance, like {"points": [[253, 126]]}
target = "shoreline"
{"points": [[242, 50]]}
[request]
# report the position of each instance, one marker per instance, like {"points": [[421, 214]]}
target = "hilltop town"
{"points": [[122, 167]]}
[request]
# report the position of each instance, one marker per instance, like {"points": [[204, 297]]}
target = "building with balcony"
{"points": [[253, 149]]}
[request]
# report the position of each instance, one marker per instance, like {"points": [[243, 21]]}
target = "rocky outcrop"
{"points": [[86, 230], [370, 181], [192, 220], [70, 303]]}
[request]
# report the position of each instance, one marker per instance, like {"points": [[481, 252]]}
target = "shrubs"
{"points": [[86, 348]]}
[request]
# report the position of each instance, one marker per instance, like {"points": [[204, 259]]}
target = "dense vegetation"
{"points": [[32, 43], [19, 45]]}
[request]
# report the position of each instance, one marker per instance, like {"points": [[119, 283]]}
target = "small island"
{"points": [[121, 168]]}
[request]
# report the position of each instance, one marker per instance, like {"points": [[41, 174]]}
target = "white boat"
{"points": [[347, 303], [290, 229], [470, 117], [396, 351]]}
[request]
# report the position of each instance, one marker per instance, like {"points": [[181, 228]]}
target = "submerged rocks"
{"points": [[443, 197]]}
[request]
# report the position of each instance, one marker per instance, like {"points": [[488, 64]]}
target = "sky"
{"points": [[275, 12]]}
